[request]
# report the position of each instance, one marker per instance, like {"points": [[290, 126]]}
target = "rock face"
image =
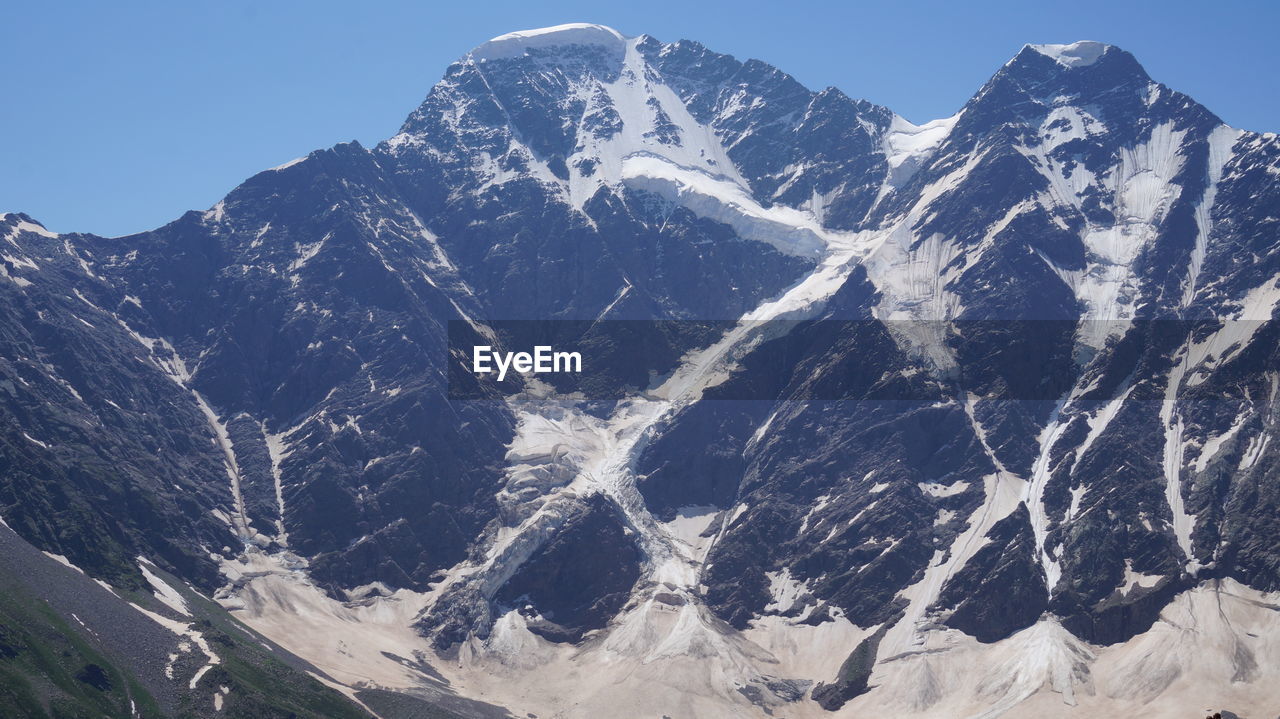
{"points": [[1000, 590], [1005, 382], [580, 579]]}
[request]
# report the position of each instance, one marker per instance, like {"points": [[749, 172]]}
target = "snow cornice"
{"points": [[516, 44]]}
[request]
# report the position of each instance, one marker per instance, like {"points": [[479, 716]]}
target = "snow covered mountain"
{"points": [[970, 418]]}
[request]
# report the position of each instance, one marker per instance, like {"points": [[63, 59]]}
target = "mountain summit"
{"points": [[1077, 54], [517, 44]]}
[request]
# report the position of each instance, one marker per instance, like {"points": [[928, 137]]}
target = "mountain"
{"points": [[969, 418]]}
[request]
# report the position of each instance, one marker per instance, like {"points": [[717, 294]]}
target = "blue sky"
{"points": [[117, 117]]}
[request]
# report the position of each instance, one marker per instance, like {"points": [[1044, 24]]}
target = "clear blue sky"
{"points": [[117, 117]]}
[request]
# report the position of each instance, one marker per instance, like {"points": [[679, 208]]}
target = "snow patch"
{"points": [[1142, 184], [934, 489], [32, 227], [786, 229], [306, 252], [35, 441], [59, 559], [1215, 444], [188, 632], [1077, 54], [162, 590], [785, 592], [26, 262], [288, 164], [1221, 141], [691, 523], [1034, 493], [1098, 422], [907, 146], [1133, 580], [1077, 494], [277, 450], [1251, 455]]}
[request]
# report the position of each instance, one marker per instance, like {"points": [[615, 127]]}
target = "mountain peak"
{"points": [[1086, 70], [1083, 62], [516, 44], [1076, 54], [16, 222]]}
